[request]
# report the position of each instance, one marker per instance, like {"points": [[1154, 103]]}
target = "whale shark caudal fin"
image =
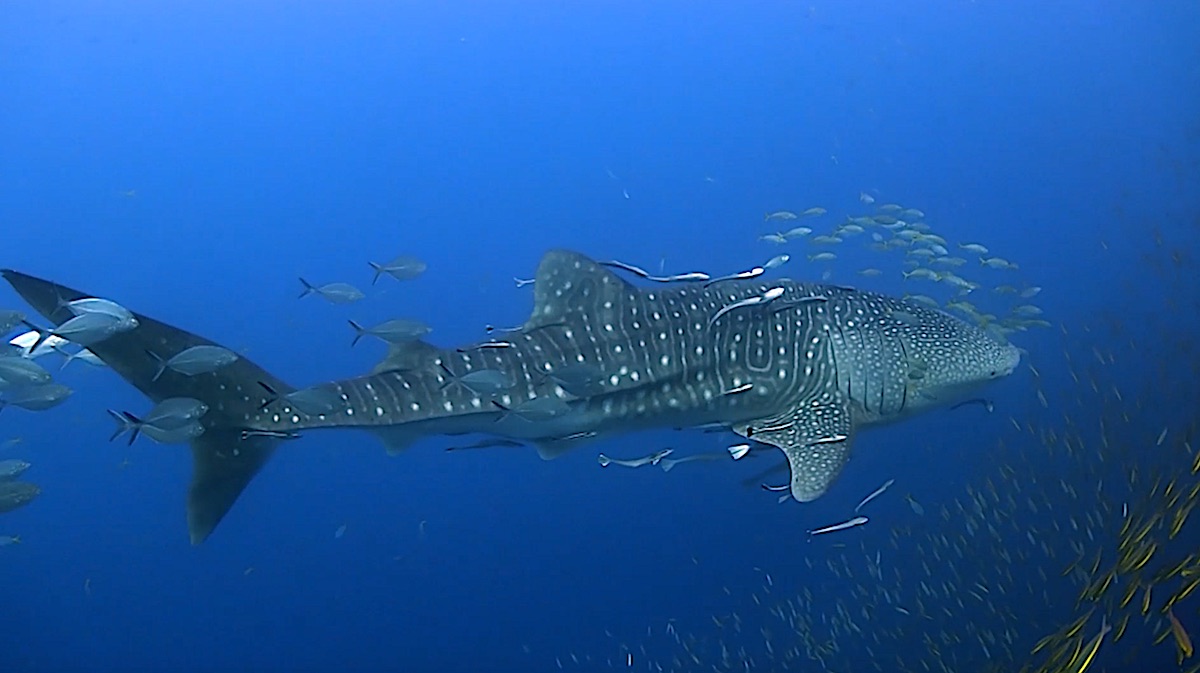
{"points": [[223, 460]]}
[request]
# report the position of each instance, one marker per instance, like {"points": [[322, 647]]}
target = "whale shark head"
{"points": [[957, 361]]}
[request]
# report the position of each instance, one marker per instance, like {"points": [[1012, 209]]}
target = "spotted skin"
{"points": [[803, 371], [820, 362]]}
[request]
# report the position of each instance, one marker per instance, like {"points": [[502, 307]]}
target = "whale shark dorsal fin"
{"points": [[815, 437], [223, 463], [403, 356], [567, 283]]}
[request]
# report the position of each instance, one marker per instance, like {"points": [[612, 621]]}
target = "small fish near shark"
{"points": [[811, 367]]}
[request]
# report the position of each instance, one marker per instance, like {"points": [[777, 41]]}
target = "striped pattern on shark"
{"points": [[803, 372]]}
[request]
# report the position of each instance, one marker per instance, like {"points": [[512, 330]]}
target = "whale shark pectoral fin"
{"points": [[223, 463], [816, 439], [815, 466]]}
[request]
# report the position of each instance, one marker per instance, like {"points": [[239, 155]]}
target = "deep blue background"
{"points": [[191, 160]]}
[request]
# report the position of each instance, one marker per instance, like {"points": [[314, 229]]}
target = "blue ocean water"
{"points": [[192, 160]]}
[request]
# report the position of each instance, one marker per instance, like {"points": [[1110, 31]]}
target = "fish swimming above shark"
{"points": [[803, 372]]}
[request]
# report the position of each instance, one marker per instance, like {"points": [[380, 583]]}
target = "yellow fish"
{"points": [[1093, 647], [1182, 640]]}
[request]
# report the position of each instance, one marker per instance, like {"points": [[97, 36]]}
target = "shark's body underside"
{"points": [[801, 372]]}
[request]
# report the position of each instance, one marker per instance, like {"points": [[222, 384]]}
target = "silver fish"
{"points": [[484, 345], [315, 400], [667, 464], [312, 401], [171, 421], [12, 468], [689, 277], [766, 297], [401, 268], [87, 329], [741, 275], [997, 263], [392, 331], [874, 494], [652, 459], [777, 261], [180, 435], [581, 379], [102, 306], [175, 412], [638, 271], [14, 494], [780, 215], [23, 345], [825, 240], [21, 372], [928, 274], [38, 397], [481, 382], [195, 360], [856, 521], [334, 293]]}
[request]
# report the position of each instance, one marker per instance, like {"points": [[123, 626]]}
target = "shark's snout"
{"points": [[1010, 360]]}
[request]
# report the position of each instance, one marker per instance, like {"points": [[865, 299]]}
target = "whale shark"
{"points": [[795, 365]]}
